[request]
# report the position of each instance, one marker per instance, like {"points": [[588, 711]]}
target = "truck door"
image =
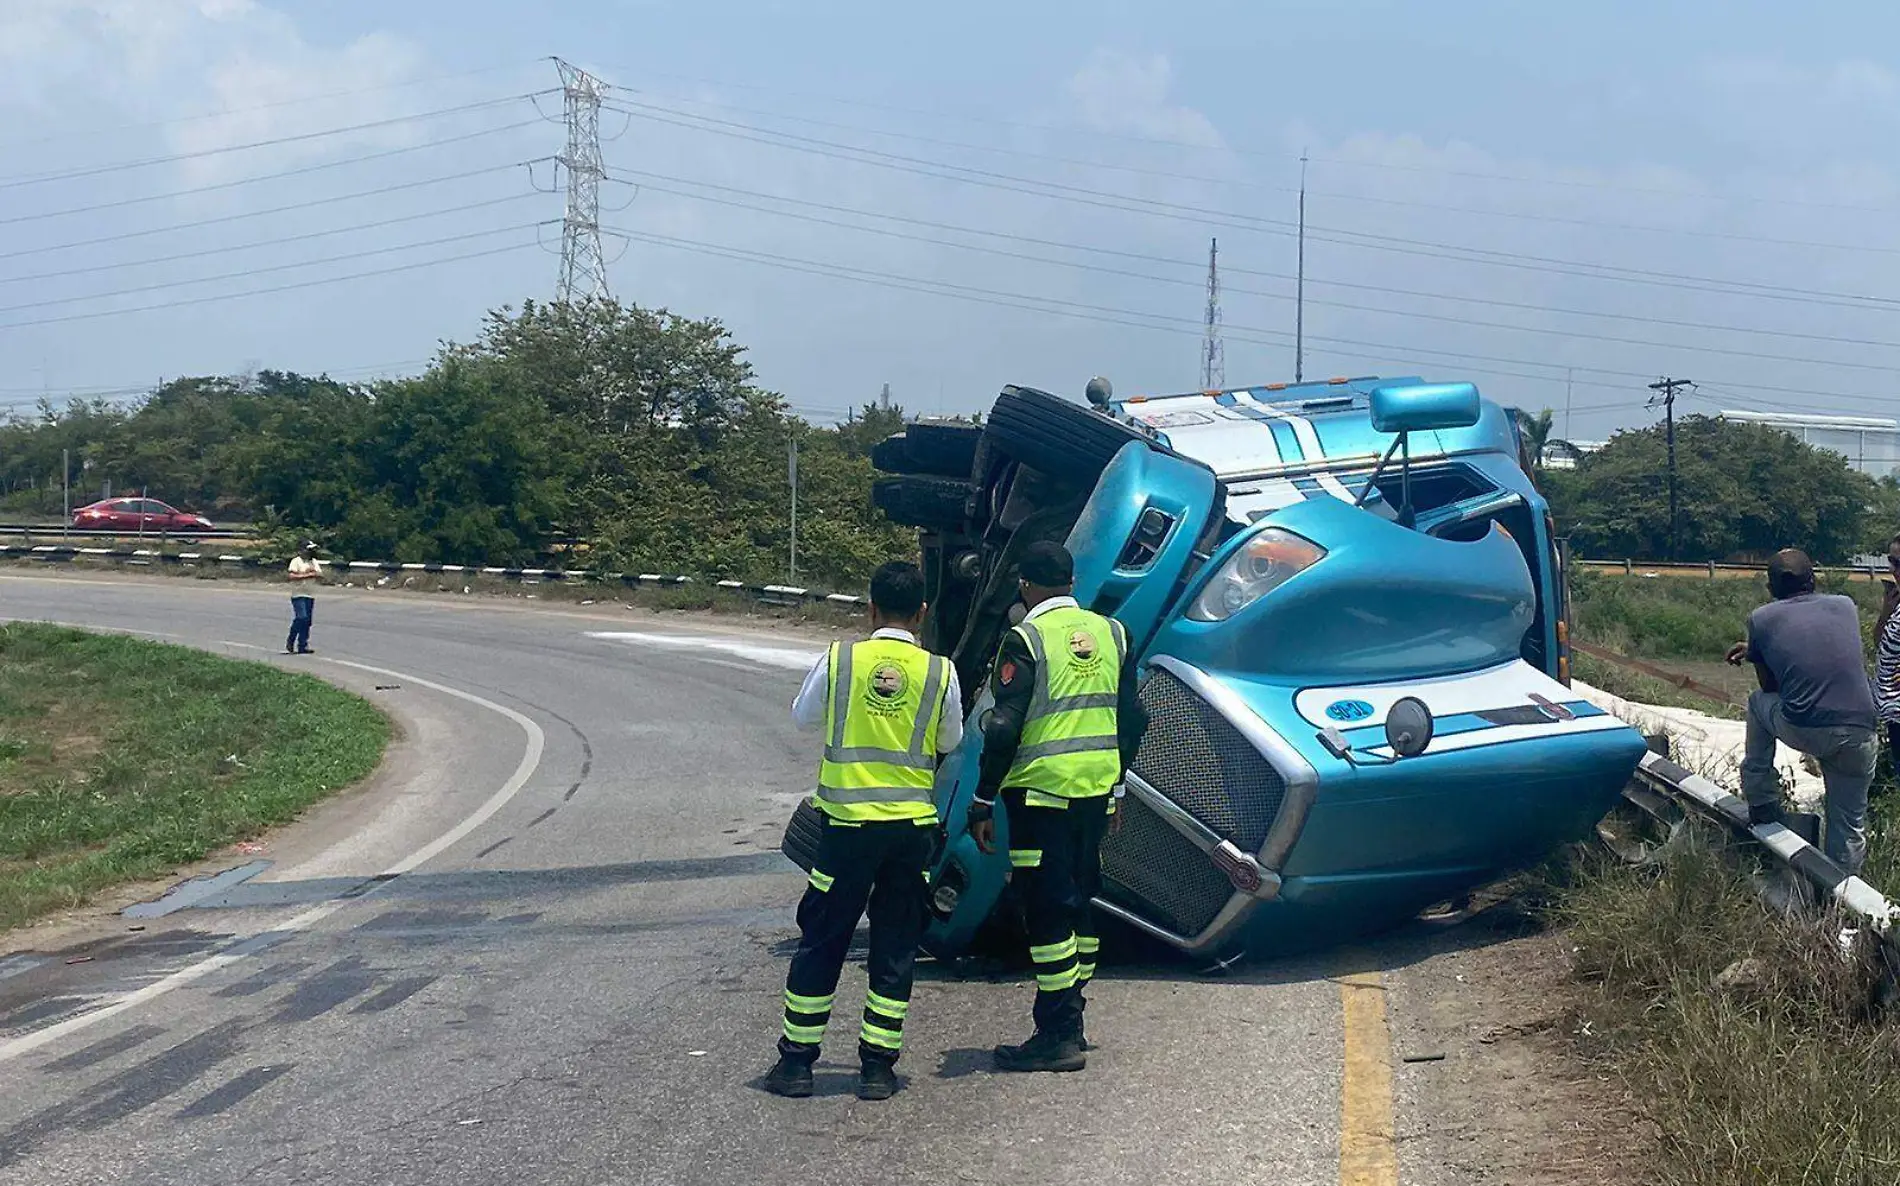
{"points": [[1137, 537]]}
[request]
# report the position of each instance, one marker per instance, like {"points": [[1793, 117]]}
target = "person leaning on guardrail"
{"points": [[1815, 697], [1887, 651]]}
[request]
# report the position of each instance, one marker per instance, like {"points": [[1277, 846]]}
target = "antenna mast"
{"points": [[1213, 352]]}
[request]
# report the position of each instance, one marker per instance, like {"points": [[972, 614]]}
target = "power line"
{"points": [[1387, 351], [42, 302], [261, 243], [265, 212], [229, 296], [990, 295], [1177, 262], [1238, 183], [227, 112], [21, 396], [276, 176], [1224, 147], [1132, 204], [176, 158], [1572, 183], [1239, 291]]}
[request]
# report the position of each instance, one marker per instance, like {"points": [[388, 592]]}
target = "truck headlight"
{"points": [[1262, 564]]}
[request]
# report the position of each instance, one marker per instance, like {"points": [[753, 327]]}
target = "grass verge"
{"points": [[1752, 1042], [1682, 617], [1638, 688], [121, 759]]}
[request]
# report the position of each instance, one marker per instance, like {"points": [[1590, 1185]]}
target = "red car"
{"points": [[146, 515]]}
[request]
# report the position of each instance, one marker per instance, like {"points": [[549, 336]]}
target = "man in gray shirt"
{"points": [[1815, 697]]}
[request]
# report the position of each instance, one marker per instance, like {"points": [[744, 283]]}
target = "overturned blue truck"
{"points": [[1348, 609]]}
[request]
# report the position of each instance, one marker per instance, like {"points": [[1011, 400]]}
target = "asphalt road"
{"points": [[574, 976]]}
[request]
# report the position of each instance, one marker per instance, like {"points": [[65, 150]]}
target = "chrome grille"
{"points": [[1192, 755], [1151, 869]]}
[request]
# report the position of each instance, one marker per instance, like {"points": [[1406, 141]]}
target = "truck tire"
{"points": [[936, 504], [802, 834], [892, 454], [946, 447], [938, 448], [1062, 439]]}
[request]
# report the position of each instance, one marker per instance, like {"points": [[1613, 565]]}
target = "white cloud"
{"points": [[1117, 92], [161, 59]]}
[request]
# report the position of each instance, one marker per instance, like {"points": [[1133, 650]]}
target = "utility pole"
{"points": [[884, 398], [1568, 374], [1299, 287], [66, 489], [1668, 387], [792, 473], [1213, 353], [583, 264]]}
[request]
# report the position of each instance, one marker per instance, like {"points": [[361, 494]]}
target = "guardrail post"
{"points": [[1711, 570], [1626, 566]]}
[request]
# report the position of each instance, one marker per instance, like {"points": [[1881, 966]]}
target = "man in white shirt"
{"points": [[306, 573], [888, 710]]}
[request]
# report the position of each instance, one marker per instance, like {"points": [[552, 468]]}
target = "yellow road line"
{"points": [[1368, 1155]]}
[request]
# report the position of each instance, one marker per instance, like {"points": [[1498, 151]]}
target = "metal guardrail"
{"points": [[1714, 568], [767, 594], [1656, 775], [52, 529]]}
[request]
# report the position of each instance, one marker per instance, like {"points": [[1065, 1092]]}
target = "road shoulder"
{"points": [[1492, 1084]]}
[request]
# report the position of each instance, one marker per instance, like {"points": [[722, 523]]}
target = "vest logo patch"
{"points": [[1082, 648], [885, 691]]}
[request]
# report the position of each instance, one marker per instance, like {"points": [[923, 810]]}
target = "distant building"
{"points": [[1558, 456], [1871, 444]]}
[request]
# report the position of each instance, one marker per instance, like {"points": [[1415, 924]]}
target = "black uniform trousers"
{"points": [[1055, 854], [881, 865]]}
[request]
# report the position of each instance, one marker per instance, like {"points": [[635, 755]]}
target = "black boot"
{"points": [[876, 1080], [1043, 1052], [791, 1078]]}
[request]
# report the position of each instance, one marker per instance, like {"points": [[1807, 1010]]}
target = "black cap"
{"points": [[1048, 565]]}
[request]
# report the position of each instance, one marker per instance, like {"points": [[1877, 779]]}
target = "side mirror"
{"points": [[1425, 406], [1408, 727]]}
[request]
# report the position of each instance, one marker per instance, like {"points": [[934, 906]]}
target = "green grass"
{"points": [[1638, 688], [1788, 1077], [121, 759], [1683, 617]]}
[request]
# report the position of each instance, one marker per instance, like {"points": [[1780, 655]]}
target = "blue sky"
{"points": [[1497, 191]]}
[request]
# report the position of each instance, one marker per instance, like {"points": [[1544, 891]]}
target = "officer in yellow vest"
{"points": [[888, 709], [1064, 726]]}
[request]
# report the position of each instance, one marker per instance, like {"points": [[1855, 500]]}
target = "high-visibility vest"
{"points": [[1069, 748], [882, 711]]}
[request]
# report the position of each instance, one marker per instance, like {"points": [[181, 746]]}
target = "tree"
{"points": [[640, 431], [1535, 434], [1745, 489], [1883, 516]]}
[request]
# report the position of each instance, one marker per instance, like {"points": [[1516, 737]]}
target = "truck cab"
{"points": [[1346, 609]]}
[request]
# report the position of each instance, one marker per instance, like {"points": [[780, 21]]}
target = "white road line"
{"points": [[530, 759], [797, 659]]}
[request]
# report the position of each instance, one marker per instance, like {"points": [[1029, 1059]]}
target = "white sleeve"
{"points": [[950, 729], [808, 711]]}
